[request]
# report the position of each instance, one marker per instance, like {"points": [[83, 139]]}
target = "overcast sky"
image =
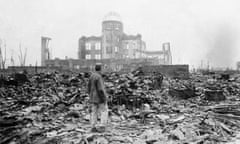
{"points": [[198, 30]]}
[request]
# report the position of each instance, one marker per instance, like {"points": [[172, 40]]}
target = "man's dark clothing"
{"points": [[96, 89], [98, 99]]}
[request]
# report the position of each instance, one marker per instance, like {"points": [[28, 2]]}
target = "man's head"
{"points": [[98, 67]]}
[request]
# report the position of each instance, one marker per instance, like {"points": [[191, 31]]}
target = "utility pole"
{"points": [[22, 58], [208, 65], [201, 67], [36, 67], [12, 60], [3, 58]]}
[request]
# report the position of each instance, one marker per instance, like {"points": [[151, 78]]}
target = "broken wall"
{"points": [[173, 71]]}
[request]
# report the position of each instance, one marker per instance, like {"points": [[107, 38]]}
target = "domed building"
{"points": [[114, 49], [112, 16], [113, 42], [112, 31]]}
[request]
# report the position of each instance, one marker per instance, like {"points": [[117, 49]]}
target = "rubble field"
{"points": [[53, 108]]}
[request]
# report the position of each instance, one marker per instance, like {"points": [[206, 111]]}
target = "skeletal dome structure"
{"points": [[112, 32], [112, 16], [112, 22]]}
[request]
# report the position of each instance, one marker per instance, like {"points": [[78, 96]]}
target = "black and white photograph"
{"points": [[119, 72]]}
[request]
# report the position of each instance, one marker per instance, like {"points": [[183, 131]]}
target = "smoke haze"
{"points": [[198, 30]]}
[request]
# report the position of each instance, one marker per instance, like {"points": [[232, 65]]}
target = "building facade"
{"points": [[114, 49], [113, 43], [91, 48], [133, 47], [112, 32]]}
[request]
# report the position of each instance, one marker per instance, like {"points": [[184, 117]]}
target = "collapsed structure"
{"points": [[238, 65], [45, 52], [54, 108], [115, 49]]}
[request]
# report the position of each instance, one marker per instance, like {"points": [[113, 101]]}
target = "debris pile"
{"points": [[131, 89], [53, 108]]}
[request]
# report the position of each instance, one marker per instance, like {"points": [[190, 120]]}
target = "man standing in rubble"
{"points": [[98, 99]]}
